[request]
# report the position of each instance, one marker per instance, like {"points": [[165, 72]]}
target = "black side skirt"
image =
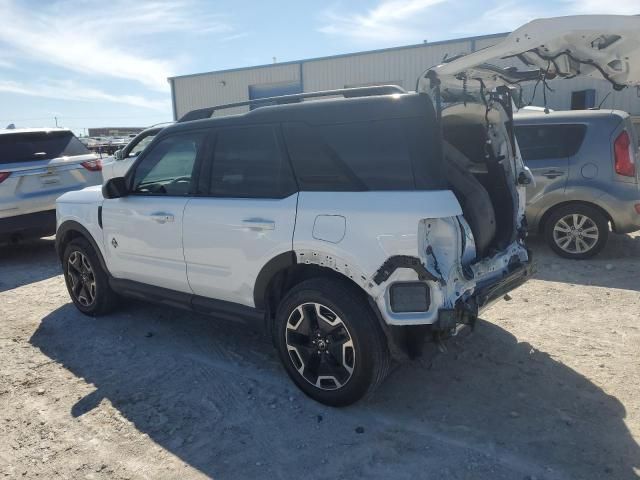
{"points": [[163, 296]]}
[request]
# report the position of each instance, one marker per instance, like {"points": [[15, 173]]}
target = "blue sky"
{"points": [[106, 63]]}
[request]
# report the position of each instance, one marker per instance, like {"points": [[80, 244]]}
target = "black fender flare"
{"points": [[69, 226], [268, 271]]}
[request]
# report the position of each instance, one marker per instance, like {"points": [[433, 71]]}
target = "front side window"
{"points": [[141, 145], [248, 163], [544, 142], [168, 168]]}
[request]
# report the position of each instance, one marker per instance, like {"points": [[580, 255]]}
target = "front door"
{"points": [[143, 231], [246, 217]]}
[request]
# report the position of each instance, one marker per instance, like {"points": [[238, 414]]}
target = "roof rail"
{"points": [[202, 113]]}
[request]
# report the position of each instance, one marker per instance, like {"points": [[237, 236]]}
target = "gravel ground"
{"points": [[546, 387]]}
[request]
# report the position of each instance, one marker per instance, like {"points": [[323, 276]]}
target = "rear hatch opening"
{"points": [[479, 165]]}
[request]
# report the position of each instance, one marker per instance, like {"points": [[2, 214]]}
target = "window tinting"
{"points": [[539, 142], [395, 154], [141, 145], [168, 168], [31, 146], [248, 163]]}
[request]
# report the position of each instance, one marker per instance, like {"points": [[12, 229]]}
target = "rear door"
{"points": [[38, 167], [546, 149], [245, 216], [143, 231]]}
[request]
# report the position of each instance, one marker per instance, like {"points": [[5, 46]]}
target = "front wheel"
{"points": [[86, 280], [330, 343], [577, 231]]}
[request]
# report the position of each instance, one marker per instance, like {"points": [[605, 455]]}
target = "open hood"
{"points": [[601, 46]]}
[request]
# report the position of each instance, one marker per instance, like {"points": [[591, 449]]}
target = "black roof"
{"points": [[321, 112]]}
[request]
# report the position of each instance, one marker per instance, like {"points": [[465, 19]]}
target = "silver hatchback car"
{"points": [[585, 165], [36, 167]]}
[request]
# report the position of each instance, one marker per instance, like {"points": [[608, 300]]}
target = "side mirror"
{"points": [[115, 188], [118, 155]]}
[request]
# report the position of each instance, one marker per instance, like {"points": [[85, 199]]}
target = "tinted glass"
{"points": [[168, 168], [141, 145], [395, 154], [25, 147], [539, 142], [248, 162]]}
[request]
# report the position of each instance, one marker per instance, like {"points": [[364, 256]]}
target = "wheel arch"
{"points": [[71, 229], [284, 272], [545, 216]]}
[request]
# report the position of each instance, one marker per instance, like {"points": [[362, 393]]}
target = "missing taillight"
{"points": [[624, 162], [92, 165], [4, 176]]}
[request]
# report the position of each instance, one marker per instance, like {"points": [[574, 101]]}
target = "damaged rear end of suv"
{"points": [[355, 227]]}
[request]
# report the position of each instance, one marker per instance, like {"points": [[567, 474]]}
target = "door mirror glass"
{"points": [[118, 154], [115, 188]]}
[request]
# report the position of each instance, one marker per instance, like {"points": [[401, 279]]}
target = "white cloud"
{"points": [[96, 38], [619, 7], [390, 21], [4, 63], [68, 90]]}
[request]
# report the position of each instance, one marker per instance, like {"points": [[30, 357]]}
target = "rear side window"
{"points": [[540, 142], [31, 146], [248, 163], [394, 154]]}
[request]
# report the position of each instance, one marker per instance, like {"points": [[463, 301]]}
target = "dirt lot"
{"points": [[545, 388]]}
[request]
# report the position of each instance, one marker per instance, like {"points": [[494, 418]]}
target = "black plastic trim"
{"points": [[402, 261], [188, 301], [73, 226], [39, 223], [272, 267]]}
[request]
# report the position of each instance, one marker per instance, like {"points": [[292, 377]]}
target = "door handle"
{"points": [[552, 173], [162, 217], [259, 224]]}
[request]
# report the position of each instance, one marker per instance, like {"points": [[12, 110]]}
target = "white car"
{"points": [[352, 227], [37, 165], [118, 164]]}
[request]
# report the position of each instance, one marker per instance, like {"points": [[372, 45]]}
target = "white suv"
{"points": [[353, 227]]}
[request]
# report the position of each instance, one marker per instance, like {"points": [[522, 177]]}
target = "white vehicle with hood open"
{"points": [[355, 227]]}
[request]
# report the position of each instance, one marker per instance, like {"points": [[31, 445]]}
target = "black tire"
{"points": [[100, 298], [595, 223], [357, 342]]}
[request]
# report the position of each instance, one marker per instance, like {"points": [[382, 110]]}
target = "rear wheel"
{"points": [[330, 343], [577, 231], [86, 280]]}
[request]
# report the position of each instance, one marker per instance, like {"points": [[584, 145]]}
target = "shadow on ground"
{"points": [[213, 394], [617, 266], [27, 262]]}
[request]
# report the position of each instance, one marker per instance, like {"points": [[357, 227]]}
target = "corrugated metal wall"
{"points": [[399, 66]]}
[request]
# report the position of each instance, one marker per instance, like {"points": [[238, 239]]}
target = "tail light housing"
{"points": [[624, 161], [92, 165], [4, 176]]}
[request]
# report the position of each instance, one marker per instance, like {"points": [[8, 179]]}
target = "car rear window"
{"points": [[390, 154], [31, 146], [540, 142]]}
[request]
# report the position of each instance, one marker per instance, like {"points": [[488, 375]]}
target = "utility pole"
{"points": [[56, 119]]}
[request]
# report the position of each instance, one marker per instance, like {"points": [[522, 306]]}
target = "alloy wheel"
{"points": [[81, 278], [576, 233], [320, 346]]}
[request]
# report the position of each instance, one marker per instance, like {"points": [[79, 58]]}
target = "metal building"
{"points": [[400, 66]]}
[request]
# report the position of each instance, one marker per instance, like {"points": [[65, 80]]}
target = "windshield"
{"points": [[31, 146]]}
